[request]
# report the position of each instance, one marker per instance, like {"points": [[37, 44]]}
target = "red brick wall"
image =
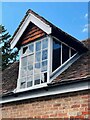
{"points": [[71, 105]]}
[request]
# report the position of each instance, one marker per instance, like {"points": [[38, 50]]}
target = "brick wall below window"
{"points": [[71, 105]]}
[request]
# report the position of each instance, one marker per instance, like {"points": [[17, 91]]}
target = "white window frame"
{"points": [[49, 65], [61, 53], [18, 89]]}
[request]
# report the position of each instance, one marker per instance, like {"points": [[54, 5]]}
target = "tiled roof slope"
{"points": [[9, 78], [80, 69]]}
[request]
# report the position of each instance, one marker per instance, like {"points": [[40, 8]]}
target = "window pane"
{"points": [[44, 66], [30, 78], [37, 79], [25, 49], [37, 68], [65, 53], [30, 59], [29, 81], [30, 70], [24, 61], [38, 56], [72, 52], [31, 48], [23, 84], [29, 84], [44, 54], [44, 43], [23, 72], [56, 55], [44, 77], [38, 46]]}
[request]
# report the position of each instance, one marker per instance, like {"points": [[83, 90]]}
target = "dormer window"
{"points": [[61, 53], [35, 68], [34, 61], [45, 51]]}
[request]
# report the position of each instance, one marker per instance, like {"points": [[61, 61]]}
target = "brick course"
{"points": [[71, 105]]}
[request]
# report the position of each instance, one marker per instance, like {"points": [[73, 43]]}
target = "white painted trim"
{"points": [[48, 69], [73, 87], [45, 27], [20, 32], [30, 18], [64, 66], [49, 60], [31, 88]]}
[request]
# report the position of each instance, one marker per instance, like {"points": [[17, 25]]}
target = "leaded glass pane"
{"points": [[30, 59], [31, 48], [37, 68], [37, 79], [44, 43], [24, 61], [30, 70], [38, 46], [44, 54], [44, 65], [38, 56], [29, 84], [23, 84], [29, 81], [23, 72]]}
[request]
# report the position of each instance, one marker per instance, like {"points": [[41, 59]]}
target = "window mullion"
{"points": [[41, 64], [69, 52], [34, 62], [61, 54]]}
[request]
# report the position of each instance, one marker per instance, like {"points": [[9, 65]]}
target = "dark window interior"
{"points": [[24, 49], [72, 52], [56, 55], [65, 53], [45, 78]]}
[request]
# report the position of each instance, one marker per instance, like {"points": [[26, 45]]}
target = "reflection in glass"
{"points": [[29, 81], [37, 79], [37, 68], [30, 59], [23, 83], [56, 55], [31, 48], [24, 61], [44, 66], [44, 43], [23, 72], [38, 56], [30, 70], [29, 84], [38, 46], [44, 54]]}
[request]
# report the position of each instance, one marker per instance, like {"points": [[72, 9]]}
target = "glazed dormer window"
{"points": [[36, 58], [61, 53], [34, 62]]}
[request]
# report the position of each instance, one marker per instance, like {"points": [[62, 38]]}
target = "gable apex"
{"points": [[30, 17], [48, 28]]}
